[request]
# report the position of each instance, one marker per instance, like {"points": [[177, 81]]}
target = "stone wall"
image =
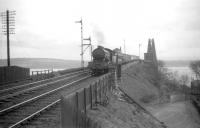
{"points": [[13, 73]]}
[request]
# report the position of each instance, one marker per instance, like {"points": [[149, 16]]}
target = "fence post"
{"points": [[96, 93], [85, 100], [113, 80], [100, 82], [91, 96], [85, 107], [77, 110], [107, 84], [103, 89]]}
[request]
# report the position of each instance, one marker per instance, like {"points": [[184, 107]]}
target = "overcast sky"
{"points": [[47, 28]]}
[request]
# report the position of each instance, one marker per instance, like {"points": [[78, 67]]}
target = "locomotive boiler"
{"points": [[102, 60]]}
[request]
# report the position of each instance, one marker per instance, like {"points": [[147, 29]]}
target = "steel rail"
{"points": [[40, 96], [36, 87], [16, 87], [34, 114]]}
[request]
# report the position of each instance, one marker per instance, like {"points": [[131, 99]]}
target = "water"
{"points": [[52, 69], [183, 71]]}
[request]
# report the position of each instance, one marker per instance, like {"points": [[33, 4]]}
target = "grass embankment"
{"points": [[121, 114], [140, 81]]}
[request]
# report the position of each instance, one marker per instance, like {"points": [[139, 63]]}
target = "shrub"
{"points": [[148, 98]]}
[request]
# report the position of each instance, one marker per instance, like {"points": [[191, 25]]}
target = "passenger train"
{"points": [[105, 59]]}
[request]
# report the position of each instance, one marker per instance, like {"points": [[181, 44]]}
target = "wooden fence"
{"points": [[74, 106]]}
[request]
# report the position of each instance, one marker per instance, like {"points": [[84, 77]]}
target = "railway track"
{"points": [[49, 118], [26, 102], [7, 88]]}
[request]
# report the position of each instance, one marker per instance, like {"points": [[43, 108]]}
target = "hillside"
{"points": [[139, 81], [42, 63], [119, 113]]}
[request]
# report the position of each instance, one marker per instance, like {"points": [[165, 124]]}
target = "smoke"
{"points": [[99, 36]]}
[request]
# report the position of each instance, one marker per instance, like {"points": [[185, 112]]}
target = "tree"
{"points": [[167, 78], [195, 66], [184, 79], [161, 63]]}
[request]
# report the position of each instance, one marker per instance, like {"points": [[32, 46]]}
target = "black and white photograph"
{"points": [[99, 64]]}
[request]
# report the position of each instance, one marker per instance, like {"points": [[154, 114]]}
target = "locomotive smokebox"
{"points": [[100, 53]]}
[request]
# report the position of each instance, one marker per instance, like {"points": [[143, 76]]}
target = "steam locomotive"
{"points": [[105, 59]]}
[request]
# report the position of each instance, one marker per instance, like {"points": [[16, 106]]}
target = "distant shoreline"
{"points": [[43, 63]]}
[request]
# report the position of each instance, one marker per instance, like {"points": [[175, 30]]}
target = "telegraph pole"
{"points": [[8, 21], [82, 61], [8, 39]]}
